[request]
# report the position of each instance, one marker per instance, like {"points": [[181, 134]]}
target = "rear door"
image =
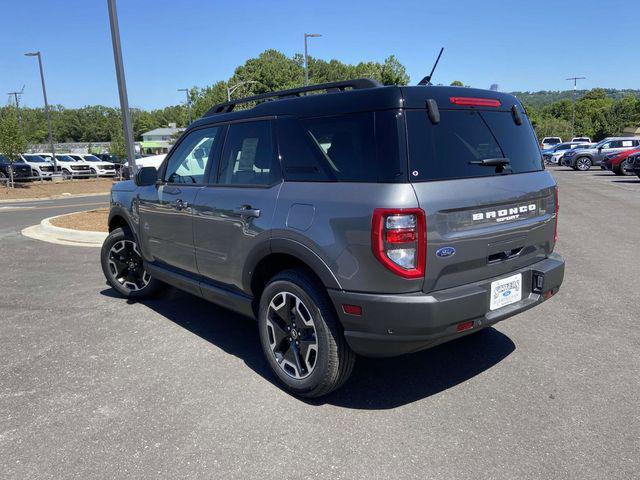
{"points": [[495, 219], [233, 214]]}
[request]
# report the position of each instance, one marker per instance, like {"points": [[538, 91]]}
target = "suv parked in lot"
{"points": [[40, 168], [69, 167], [633, 164], [618, 162], [98, 167], [21, 171], [368, 220], [584, 159], [554, 154], [550, 142]]}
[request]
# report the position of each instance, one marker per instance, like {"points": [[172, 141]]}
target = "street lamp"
{"points": [[186, 92], [573, 118], [306, 55], [46, 107], [230, 90]]}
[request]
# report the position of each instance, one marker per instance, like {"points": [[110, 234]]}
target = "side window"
{"points": [[348, 145], [248, 157], [188, 162], [627, 143], [606, 145], [301, 160]]}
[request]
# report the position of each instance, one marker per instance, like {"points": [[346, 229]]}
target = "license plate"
{"points": [[506, 291]]}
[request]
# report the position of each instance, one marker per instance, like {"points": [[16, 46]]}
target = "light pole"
{"points": [[306, 55], [573, 119], [122, 86], [230, 90], [186, 92], [16, 96], [46, 107]]}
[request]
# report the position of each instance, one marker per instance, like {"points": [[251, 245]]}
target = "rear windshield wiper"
{"points": [[491, 162]]}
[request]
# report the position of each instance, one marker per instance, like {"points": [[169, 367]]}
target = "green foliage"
{"points": [[457, 83], [546, 97], [598, 114], [12, 140], [118, 147]]}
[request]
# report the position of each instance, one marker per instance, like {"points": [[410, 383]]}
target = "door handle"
{"points": [[180, 205], [247, 211]]}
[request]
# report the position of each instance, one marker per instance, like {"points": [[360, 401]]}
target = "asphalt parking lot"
{"points": [[93, 386]]}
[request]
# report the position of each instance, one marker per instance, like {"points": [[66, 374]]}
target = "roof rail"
{"points": [[356, 84]]}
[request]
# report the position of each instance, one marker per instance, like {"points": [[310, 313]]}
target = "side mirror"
{"points": [[146, 176]]}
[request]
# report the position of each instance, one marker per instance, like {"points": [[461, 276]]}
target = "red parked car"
{"points": [[617, 162]]}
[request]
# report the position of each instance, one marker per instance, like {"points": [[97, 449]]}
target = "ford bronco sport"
{"points": [[364, 220]]}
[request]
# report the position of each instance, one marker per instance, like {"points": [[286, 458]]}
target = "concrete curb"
{"points": [[64, 236]]}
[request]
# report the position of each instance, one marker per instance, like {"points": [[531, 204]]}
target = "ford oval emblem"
{"points": [[445, 252]]}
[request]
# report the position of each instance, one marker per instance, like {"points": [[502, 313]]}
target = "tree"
{"points": [[457, 83], [117, 146], [12, 141]]}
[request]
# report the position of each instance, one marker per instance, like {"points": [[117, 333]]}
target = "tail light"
{"points": [[555, 229], [399, 240]]}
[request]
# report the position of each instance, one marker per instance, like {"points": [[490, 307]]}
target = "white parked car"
{"points": [[98, 167], [69, 167], [581, 140], [39, 166], [549, 142], [150, 161]]}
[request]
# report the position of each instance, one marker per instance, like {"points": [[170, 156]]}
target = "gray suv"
{"points": [[584, 158], [360, 219]]}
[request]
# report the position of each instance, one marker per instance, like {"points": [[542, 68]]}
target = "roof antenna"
{"points": [[427, 80]]}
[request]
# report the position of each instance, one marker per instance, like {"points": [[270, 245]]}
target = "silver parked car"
{"points": [[584, 159]]}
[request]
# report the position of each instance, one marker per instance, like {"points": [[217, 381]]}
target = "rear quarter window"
{"points": [[356, 147], [444, 150]]}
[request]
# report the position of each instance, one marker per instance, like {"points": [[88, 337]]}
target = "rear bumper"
{"points": [[395, 324]]}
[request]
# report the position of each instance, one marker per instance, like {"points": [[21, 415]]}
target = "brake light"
{"points": [[555, 230], [475, 102], [399, 240]]}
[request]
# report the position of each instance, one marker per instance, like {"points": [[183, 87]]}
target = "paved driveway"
{"points": [[93, 386]]}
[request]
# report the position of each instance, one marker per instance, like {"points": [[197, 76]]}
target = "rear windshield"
{"points": [[551, 141], [445, 150]]}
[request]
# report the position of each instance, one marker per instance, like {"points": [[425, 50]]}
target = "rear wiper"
{"points": [[491, 162]]}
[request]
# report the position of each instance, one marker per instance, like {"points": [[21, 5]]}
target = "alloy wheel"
{"points": [[126, 266], [292, 335], [583, 164]]}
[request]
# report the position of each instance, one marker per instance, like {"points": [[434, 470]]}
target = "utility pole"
{"points": [[122, 86], [186, 91], [16, 96], [575, 86], [46, 108], [306, 55]]}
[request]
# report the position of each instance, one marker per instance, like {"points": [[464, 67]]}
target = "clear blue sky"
{"points": [[171, 44]]}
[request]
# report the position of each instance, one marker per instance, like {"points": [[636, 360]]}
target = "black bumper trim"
{"points": [[402, 323]]}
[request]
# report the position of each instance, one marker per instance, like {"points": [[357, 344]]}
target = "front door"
{"points": [[233, 215], [166, 209]]}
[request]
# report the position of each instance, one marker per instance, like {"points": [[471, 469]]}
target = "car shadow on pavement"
{"points": [[376, 384], [628, 180]]}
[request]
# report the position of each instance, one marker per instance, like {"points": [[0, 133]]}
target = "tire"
{"points": [[34, 173], [622, 169], [583, 164], [328, 361], [66, 174], [125, 273]]}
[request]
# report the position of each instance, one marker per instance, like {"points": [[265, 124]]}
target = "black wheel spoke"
{"points": [[279, 333]]}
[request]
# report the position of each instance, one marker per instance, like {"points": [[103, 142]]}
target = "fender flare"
{"points": [[295, 249]]}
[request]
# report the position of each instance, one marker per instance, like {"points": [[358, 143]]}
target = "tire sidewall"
{"points": [[322, 335], [588, 166], [115, 236]]}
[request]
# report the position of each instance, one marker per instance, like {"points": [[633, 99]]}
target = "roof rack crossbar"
{"points": [[356, 84]]}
